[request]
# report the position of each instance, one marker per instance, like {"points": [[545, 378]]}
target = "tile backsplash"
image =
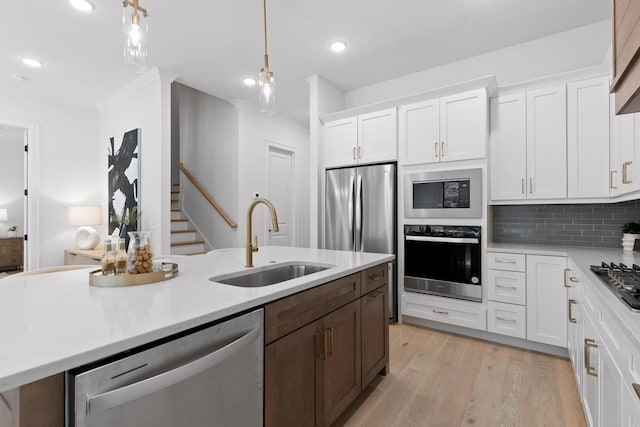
{"points": [[591, 225]]}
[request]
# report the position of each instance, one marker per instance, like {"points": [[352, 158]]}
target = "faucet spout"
{"points": [[251, 247]]}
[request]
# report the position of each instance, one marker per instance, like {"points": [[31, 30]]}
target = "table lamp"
{"points": [[3, 215], [85, 216]]}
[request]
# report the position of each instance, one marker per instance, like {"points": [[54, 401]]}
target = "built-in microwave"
{"points": [[443, 194]]}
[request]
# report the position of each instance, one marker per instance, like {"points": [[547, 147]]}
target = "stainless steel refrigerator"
{"points": [[360, 214]]}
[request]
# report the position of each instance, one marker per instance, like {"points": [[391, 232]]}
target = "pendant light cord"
{"points": [[266, 63]]}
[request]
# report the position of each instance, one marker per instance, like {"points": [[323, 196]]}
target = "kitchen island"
{"points": [[55, 322]]}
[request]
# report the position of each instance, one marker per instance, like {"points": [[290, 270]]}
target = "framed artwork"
{"points": [[124, 184]]}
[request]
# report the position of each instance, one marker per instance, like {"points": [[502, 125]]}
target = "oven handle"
{"points": [[442, 239]]}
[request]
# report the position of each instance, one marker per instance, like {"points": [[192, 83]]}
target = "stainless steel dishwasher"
{"points": [[210, 376]]}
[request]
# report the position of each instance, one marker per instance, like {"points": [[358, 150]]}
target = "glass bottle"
{"points": [[121, 258], [108, 261]]}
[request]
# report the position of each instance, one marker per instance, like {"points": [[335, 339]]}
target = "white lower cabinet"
{"points": [[507, 319], [446, 310], [546, 300], [630, 406]]}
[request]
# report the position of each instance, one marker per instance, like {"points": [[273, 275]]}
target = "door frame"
{"points": [[268, 145], [31, 256]]}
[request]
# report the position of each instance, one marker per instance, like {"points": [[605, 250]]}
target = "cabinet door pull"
{"points": [[330, 352], [376, 277], [442, 149], [571, 318], [505, 261], [325, 351], [530, 185], [625, 173], [504, 319], [359, 153], [376, 294], [589, 343], [612, 179], [522, 185], [636, 388], [354, 153], [513, 288], [435, 150], [446, 313], [566, 276]]}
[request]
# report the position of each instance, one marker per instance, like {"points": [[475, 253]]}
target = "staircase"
{"points": [[185, 239]]}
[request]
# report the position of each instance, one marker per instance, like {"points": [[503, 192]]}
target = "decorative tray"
{"points": [[169, 271]]}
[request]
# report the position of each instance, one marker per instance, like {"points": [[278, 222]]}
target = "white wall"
{"points": [[567, 51], [12, 181], [254, 133], [208, 132], [143, 103], [65, 169]]}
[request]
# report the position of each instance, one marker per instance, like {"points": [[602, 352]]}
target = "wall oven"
{"points": [[443, 194], [443, 260]]}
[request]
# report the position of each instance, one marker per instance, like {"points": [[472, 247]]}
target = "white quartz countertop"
{"points": [[55, 322], [583, 258]]}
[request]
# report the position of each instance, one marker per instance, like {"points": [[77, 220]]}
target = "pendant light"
{"points": [[136, 29], [265, 79]]}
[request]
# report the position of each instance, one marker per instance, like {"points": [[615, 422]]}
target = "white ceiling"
{"points": [[213, 44]]}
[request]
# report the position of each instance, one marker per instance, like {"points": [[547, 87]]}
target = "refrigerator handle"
{"points": [[352, 191], [358, 220]]}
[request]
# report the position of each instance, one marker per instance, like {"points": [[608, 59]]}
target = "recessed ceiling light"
{"points": [[82, 5], [338, 46], [249, 81], [32, 62]]}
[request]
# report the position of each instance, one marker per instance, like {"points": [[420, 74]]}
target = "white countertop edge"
{"points": [[10, 379]]}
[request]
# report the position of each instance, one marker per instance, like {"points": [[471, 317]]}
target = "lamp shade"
{"points": [[85, 215], [3, 215]]}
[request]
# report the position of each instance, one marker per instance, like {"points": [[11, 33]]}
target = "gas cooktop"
{"points": [[623, 281]]}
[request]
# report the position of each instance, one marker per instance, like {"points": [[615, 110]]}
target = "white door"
{"points": [[546, 300], [281, 190], [419, 132], [588, 138], [508, 147], [547, 143], [463, 126], [377, 137], [340, 142]]}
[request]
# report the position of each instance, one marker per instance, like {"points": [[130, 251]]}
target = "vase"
{"points": [[139, 254], [628, 241], [12, 234]]}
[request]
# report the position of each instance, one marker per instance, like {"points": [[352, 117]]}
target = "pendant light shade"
{"points": [[135, 24], [266, 82]]}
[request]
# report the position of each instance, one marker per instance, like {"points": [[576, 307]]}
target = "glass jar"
{"points": [[108, 260], [121, 258], [139, 255]]}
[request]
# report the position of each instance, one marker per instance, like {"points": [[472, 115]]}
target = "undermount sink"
{"points": [[270, 275]]}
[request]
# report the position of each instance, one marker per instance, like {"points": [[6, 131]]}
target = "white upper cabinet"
{"points": [[377, 136], [625, 137], [419, 132], [547, 143], [368, 138], [588, 138], [463, 126], [508, 147], [446, 129], [341, 141]]}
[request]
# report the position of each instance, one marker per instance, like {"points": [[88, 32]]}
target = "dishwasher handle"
{"points": [[113, 398]]}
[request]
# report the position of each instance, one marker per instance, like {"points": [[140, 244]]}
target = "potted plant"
{"points": [[128, 221], [12, 231], [630, 232]]}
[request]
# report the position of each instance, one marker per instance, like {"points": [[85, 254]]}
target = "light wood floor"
{"points": [[441, 379]]}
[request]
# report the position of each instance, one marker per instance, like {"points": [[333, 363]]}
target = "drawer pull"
{"points": [[377, 277], [504, 319], [446, 313], [589, 343], [571, 318], [330, 352], [376, 294], [505, 261], [506, 287], [636, 388], [325, 351]]}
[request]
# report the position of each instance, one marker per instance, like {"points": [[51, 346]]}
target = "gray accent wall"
{"points": [[590, 225]]}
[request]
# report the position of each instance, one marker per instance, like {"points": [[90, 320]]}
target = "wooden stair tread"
{"points": [[176, 210], [194, 242], [183, 231], [178, 219]]}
